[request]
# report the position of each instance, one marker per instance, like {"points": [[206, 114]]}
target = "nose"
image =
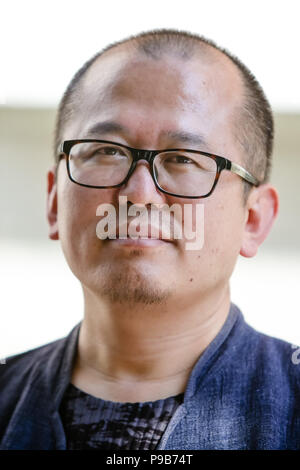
{"points": [[140, 188]]}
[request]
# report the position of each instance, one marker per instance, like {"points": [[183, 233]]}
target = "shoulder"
{"points": [[17, 367], [268, 344], [28, 380], [274, 357]]}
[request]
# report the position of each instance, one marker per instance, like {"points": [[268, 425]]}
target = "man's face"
{"points": [[149, 101]]}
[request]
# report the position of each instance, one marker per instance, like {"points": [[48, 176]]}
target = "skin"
{"points": [[149, 312]]}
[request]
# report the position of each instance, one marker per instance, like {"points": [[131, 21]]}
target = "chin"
{"points": [[129, 285]]}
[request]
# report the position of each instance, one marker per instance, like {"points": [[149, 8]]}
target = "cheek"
{"points": [[74, 209], [223, 230], [227, 224], [192, 215], [77, 206], [224, 234]]}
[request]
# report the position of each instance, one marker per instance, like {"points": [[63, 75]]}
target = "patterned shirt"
{"points": [[94, 423]]}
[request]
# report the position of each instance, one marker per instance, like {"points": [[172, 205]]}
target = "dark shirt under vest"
{"points": [[93, 423]]}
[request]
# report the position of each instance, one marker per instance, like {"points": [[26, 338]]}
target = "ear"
{"points": [[52, 204], [261, 212]]}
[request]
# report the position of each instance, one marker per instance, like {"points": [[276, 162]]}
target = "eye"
{"points": [[108, 150], [179, 159]]}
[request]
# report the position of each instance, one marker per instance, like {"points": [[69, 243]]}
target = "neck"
{"points": [[150, 347]]}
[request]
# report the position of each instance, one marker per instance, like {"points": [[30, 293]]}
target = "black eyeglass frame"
{"points": [[149, 155]]}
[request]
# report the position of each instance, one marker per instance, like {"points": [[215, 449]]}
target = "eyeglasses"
{"points": [[178, 172]]}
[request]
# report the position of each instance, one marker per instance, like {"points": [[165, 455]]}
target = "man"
{"points": [[162, 358]]}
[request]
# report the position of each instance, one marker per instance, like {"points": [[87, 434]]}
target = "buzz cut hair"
{"points": [[254, 125]]}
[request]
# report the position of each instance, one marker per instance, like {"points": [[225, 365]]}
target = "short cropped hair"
{"points": [[254, 126]]}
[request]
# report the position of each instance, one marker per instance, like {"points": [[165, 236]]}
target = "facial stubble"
{"points": [[125, 283]]}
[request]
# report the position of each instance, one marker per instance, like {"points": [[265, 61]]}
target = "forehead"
{"points": [[124, 72], [126, 86]]}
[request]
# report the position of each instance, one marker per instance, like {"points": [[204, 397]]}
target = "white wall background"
{"points": [[43, 43]]}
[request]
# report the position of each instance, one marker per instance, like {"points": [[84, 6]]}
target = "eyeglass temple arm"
{"points": [[238, 170]]}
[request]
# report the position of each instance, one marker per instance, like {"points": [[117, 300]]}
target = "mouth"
{"points": [[141, 233], [144, 239], [138, 242], [146, 233]]}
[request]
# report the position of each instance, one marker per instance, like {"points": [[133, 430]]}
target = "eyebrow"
{"points": [[186, 137], [105, 127]]}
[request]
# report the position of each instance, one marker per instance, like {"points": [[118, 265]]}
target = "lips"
{"points": [[149, 232], [148, 228], [138, 243]]}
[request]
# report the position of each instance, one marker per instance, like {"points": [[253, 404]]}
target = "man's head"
{"points": [[152, 92], [253, 127]]}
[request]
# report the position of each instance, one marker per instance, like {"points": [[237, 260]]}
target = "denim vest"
{"points": [[242, 393]]}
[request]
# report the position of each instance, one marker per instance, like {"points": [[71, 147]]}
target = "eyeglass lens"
{"points": [[178, 172]]}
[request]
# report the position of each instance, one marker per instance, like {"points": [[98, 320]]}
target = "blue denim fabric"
{"points": [[243, 393]]}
